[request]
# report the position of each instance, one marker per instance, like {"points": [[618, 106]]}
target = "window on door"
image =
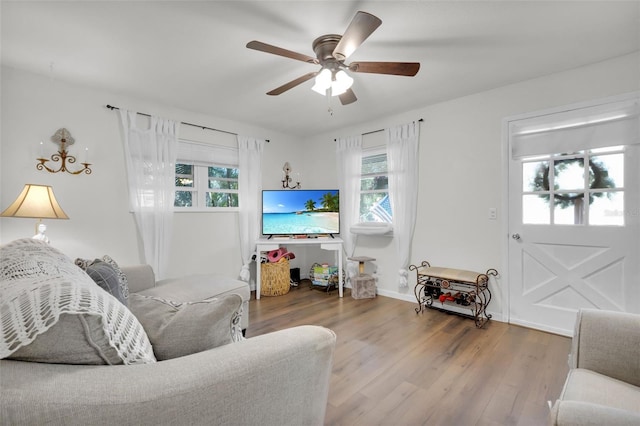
{"points": [[573, 163], [582, 188]]}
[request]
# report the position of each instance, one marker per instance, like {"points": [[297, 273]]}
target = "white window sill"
{"points": [[372, 228]]}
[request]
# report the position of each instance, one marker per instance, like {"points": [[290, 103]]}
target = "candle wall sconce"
{"points": [[286, 178], [63, 139]]}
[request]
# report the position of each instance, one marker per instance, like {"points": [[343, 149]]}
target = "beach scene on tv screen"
{"points": [[290, 212]]}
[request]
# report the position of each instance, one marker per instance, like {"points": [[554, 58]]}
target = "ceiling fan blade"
{"points": [[361, 27], [394, 68], [292, 84], [264, 47], [347, 97]]}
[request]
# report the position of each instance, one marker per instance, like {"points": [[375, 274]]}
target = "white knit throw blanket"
{"points": [[38, 283]]}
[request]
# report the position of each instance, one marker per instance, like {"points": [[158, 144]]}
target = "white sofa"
{"points": [[603, 384], [280, 378]]}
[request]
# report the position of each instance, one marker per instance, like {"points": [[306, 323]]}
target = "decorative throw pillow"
{"points": [[124, 284], [107, 278], [179, 329], [53, 312], [84, 264]]}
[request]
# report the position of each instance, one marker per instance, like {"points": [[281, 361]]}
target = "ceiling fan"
{"points": [[331, 51]]}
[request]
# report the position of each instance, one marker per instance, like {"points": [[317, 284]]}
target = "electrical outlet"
{"points": [[493, 213]]}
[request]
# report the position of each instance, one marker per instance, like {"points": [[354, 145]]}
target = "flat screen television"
{"points": [[300, 212]]}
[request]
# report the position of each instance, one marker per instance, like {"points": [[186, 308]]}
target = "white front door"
{"points": [[573, 219]]}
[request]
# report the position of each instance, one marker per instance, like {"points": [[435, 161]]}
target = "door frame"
{"points": [[505, 290]]}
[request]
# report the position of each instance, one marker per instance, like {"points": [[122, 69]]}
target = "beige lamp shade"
{"points": [[36, 201]]}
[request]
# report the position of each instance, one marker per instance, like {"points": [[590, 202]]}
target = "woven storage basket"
{"points": [[275, 278]]}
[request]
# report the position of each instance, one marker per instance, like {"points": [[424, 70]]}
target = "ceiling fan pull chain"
{"points": [[329, 109]]}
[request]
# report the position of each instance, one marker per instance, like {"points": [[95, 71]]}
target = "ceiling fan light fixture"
{"points": [[323, 82], [341, 83]]}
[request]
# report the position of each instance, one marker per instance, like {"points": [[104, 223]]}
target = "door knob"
{"points": [[516, 237]]}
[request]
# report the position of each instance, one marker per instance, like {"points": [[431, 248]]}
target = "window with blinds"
{"points": [[206, 178], [573, 163]]}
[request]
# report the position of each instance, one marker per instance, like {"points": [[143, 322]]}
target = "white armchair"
{"points": [[603, 385]]}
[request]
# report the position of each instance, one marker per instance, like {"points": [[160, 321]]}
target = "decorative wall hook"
{"points": [[63, 138]]}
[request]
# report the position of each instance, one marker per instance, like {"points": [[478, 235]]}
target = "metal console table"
{"points": [[464, 293]]}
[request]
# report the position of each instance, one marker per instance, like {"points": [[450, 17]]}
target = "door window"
{"points": [[583, 188]]}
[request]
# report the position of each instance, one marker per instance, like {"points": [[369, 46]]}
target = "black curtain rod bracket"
{"points": [[111, 107]]}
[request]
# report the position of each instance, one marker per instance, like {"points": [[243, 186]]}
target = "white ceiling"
{"points": [[192, 55]]}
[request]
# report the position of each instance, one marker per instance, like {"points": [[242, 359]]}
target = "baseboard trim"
{"points": [[552, 330]]}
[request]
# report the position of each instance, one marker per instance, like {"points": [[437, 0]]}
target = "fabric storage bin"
{"points": [[275, 278]]}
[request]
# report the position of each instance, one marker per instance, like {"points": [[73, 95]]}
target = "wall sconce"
{"points": [[63, 138], [38, 202], [286, 178]]}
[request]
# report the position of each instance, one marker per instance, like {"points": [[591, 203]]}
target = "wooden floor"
{"points": [[395, 367]]}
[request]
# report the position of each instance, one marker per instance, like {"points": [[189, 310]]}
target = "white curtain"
{"points": [[249, 189], [150, 156], [349, 162], [402, 161]]}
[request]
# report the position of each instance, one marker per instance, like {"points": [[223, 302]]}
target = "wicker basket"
{"points": [[275, 278]]}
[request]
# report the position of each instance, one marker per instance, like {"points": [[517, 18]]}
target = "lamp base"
{"points": [[41, 228]]}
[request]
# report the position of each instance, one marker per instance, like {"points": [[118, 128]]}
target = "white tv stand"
{"points": [[325, 243]]}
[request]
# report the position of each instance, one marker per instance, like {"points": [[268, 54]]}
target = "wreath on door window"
{"points": [[598, 179]]}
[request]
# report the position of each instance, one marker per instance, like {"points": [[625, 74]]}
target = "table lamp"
{"points": [[38, 202]]}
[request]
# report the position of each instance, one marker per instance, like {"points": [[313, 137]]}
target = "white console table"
{"points": [[325, 243]]}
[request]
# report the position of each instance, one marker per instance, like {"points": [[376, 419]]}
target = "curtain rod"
{"points": [[111, 107], [376, 131]]}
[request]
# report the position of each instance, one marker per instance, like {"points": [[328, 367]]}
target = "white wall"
{"points": [[34, 107], [461, 169], [461, 175]]}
